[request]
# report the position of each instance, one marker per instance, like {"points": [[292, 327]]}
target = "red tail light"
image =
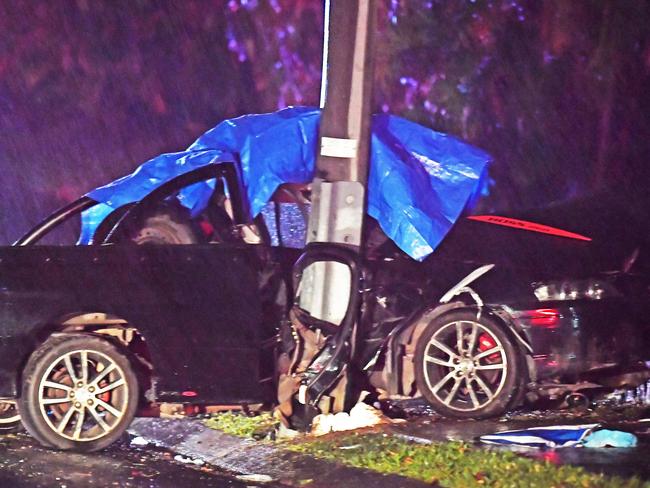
{"points": [[542, 317]]}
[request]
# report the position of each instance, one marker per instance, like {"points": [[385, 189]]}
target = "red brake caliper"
{"points": [[485, 343], [106, 396]]}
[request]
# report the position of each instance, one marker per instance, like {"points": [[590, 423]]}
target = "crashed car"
{"points": [[186, 288]]}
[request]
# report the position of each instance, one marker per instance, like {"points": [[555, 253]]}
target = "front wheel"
{"points": [[79, 393], [467, 367]]}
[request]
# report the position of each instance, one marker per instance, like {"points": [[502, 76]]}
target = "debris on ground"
{"points": [[172, 410], [256, 426], [254, 478], [139, 442], [360, 416], [560, 436], [553, 436], [610, 438], [284, 433], [189, 460]]}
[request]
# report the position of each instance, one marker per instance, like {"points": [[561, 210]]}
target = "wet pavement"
{"points": [[190, 437], [23, 463], [204, 456]]}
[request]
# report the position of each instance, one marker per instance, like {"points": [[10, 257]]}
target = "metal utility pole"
{"points": [[339, 187]]}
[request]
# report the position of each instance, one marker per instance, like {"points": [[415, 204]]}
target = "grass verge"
{"points": [[453, 464], [236, 423], [449, 464]]}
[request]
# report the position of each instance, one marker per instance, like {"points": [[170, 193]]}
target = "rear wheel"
{"points": [[80, 393], [467, 367]]}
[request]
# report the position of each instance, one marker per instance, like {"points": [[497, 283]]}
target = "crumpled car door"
{"points": [[314, 371]]}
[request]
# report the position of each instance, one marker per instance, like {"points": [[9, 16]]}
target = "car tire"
{"points": [[9, 418], [468, 366], [167, 225], [79, 393]]}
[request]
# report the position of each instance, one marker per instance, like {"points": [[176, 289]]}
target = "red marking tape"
{"points": [[530, 226]]}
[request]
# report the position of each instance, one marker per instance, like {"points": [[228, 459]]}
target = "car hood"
{"points": [[575, 239]]}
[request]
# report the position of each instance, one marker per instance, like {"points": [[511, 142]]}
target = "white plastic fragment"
{"points": [[188, 460], [255, 478], [139, 442]]}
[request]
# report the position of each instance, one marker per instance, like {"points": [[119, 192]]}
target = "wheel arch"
{"points": [[400, 350], [117, 330]]}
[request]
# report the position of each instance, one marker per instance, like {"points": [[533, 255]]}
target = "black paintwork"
{"points": [[209, 313], [198, 308]]}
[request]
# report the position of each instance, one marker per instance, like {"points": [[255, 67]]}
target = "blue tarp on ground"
{"points": [[550, 436], [419, 183], [554, 436]]}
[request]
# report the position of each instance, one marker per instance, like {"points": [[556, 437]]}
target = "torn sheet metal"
{"points": [[420, 180]]}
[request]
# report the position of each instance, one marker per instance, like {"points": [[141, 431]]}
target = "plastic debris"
{"points": [[632, 396], [188, 460], [362, 415], [254, 478], [285, 432], [610, 438], [139, 442]]}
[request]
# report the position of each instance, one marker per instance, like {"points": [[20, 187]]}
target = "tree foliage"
{"points": [[556, 90]]}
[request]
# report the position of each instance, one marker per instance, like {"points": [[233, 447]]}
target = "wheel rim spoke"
{"points": [[107, 370], [438, 361], [472, 393], [84, 366], [472, 339], [443, 381], [453, 391], [55, 401], [79, 425], [110, 408], [64, 422], [68, 365], [486, 389], [98, 418], [489, 352], [58, 386], [485, 367], [459, 338], [443, 348]]}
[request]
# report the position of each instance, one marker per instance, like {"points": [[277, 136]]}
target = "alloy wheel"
{"points": [[465, 365], [83, 395]]}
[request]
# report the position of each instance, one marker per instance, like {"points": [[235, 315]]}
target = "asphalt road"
{"points": [[23, 463]]}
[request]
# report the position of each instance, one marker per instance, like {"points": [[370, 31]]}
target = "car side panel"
{"points": [[198, 308]]}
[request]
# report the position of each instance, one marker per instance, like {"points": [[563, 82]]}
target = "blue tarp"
{"points": [[419, 183], [555, 436], [551, 436]]}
